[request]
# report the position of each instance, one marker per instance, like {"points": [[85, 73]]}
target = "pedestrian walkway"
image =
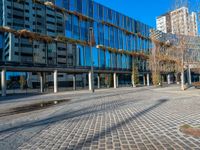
{"points": [[124, 118]]}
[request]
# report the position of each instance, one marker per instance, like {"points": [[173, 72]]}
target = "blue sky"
{"points": [[142, 10]]}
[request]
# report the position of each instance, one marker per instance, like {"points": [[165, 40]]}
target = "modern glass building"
{"points": [[55, 35]]}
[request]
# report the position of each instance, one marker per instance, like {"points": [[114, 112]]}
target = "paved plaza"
{"points": [[124, 118]]}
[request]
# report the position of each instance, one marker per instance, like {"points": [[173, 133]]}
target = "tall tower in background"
{"points": [[178, 21], [182, 19]]}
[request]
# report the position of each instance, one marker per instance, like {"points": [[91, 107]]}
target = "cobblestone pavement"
{"points": [[124, 118]]}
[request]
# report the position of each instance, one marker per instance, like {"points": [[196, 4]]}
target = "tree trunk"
{"points": [[182, 80]]}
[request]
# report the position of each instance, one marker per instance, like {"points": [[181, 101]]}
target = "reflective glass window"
{"points": [[65, 4], [72, 5], [102, 59], [79, 6], [96, 11], [85, 7], [119, 61], [111, 39], [114, 60], [95, 56], [100, 12], [84, 30], [101, 34], [87, 56], [76, 31], [124, 61], [124, 41], [116, 38], [68, 31], [108, 60], [106, 35], [120, 39], [105, 13], [80, 56], [90, 3]]}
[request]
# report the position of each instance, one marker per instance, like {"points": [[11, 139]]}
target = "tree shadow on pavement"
{"points": [[97, 136], [94, 108]]}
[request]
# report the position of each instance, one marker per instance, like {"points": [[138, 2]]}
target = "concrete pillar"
{"points": [[144, 80], [90, 80], [55, 81], [168, 79], [74, 82], [41, 82], [115, 80], [98, 81], [148, 81], [3, 82], [189, 76]]}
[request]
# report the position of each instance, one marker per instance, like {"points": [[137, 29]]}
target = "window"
{"points": [[79, 6], [72, 5], [68, 31], [102, 59], [110, 15], [116, 38], [80, 55], [84, 30], [101, 34], [106, 35], [111, 39], [87, 56], [108, 60], [114, 60], [76, 31], [119, 61], [124, 61], [124, 41], [95, 53], [100, 12], [120, 39], [66, 4]]}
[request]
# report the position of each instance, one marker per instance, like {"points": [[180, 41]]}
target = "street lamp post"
{"points": [[92, 63]]}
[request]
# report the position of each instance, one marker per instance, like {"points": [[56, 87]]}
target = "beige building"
{"points": [[178, 21]]}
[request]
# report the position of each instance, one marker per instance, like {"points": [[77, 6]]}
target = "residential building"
{"points": [[178, 21], [163, 23]]}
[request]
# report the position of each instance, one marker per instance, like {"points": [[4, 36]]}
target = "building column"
{"points": [[189, 76], [115, 80], [74, 82], [41, 82], [3, 82], [98, 81], [90, 80], [168, 79], [55, 80], [148, 81], [144, 80]]}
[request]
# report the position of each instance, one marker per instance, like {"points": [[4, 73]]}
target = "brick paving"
{"points": [[125, 118]]}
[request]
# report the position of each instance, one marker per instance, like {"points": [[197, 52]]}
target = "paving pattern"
{"points": [[126, 118]]}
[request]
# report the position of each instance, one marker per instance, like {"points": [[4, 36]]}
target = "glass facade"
{"points": [[115, 35], [111, 30]]}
